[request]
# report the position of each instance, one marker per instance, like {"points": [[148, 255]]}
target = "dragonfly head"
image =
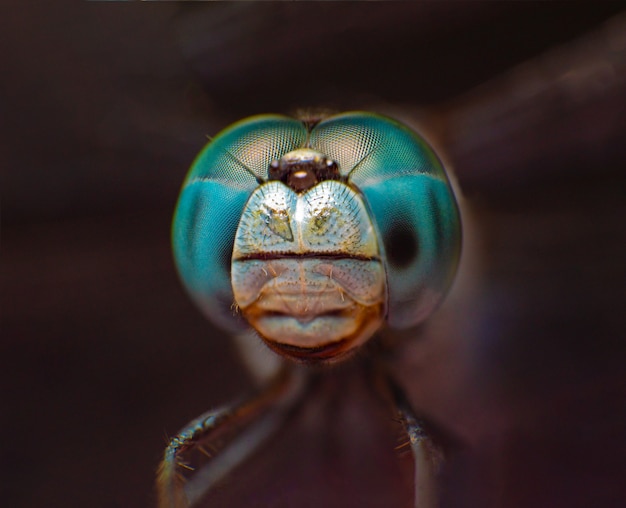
{"points": [[318, 233]]}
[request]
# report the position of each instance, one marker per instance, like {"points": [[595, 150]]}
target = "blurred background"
{"points": [[104, 107]]}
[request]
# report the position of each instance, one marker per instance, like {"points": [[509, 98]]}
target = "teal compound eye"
{"points": [[319, 234]]}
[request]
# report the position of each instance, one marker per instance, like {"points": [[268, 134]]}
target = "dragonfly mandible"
{"points": [[313, 233]]}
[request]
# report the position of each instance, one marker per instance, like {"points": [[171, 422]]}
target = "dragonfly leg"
{"points": [[212, 445], [428, 455]]}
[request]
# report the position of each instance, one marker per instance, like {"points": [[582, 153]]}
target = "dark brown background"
{"points": [[105, 105]]}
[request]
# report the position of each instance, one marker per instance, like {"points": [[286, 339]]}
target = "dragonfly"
{"points": [[309, 235]]}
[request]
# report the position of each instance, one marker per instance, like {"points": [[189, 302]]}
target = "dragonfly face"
{"points": [[306, 270], [317, 234]]}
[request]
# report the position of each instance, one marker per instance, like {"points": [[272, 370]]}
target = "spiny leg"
{"points": [[428, 455], [210, 446]]}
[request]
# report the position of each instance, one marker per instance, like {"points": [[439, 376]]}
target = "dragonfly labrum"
{"points": [[313, 234]]}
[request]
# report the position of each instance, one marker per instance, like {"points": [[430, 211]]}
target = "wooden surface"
{"points": [[103, 355]]}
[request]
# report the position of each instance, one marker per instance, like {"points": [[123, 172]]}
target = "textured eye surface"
{"points": [[401, 245], [317, 233]]}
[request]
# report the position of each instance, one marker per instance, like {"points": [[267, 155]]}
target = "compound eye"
{"points": [[401, 245]]}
